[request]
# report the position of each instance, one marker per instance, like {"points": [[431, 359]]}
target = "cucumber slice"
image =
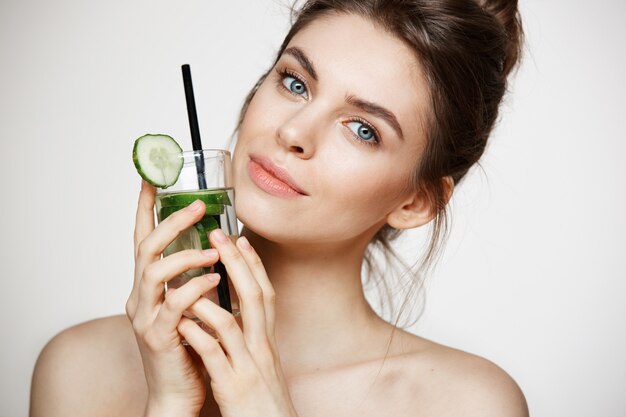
{"points": [[204, 227], [158, 159], [217, 197], [211, 209], [188, 239]]}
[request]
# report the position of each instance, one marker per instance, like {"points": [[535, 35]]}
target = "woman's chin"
{"points": [[258, 216]]}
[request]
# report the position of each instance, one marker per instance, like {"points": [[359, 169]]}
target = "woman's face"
{"points": [[342, 114]]}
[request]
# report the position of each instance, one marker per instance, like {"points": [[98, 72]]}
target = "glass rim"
{"points": [[212, 160]]}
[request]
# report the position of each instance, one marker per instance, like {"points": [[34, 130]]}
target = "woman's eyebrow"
{"points": [[377, 111], [367, 106], [301, 57]]}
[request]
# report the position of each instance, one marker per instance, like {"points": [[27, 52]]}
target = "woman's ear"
{"points": [[418, 209]]}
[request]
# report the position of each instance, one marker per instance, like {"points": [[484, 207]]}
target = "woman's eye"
{"points": [[363, 131], [294, 85]]}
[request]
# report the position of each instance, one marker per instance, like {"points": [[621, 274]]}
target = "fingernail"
{"points": [[196, 206], [220, 236], [213, 277], [211, 253], [244, 243]]}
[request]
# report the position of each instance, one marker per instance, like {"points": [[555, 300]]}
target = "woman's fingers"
{"points": [[176, 303], [208, 348], [258, 271], [248, 290], [155, 274], [144, 224], [227, 329], [152, 245], [144, 219]]}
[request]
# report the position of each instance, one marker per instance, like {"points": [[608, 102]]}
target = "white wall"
{"points": [[533, 277]]}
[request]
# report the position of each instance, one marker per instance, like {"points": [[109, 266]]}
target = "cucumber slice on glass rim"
{"points": [[158, 159]]}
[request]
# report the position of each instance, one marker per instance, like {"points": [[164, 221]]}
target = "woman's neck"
{"points": [[322, 315]]}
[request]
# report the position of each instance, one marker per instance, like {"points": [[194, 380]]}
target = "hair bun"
{"points": [[507, 13]]}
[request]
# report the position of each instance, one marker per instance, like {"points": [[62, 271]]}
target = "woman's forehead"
{"points": [[353, 56]]}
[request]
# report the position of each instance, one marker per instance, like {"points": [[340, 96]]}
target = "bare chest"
{"points": [[389, 388], [362, 391]]}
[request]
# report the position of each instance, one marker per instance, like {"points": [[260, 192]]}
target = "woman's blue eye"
{"points": [[294, 85], [362, 130]]}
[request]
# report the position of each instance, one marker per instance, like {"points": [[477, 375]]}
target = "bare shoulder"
{"points": [[457, 382], [93, 368]]}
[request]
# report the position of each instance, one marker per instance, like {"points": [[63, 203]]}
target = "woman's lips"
{"points": [[269, 182]]}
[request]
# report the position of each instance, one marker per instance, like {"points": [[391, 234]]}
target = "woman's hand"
{"points": [[175, 383], [246, 376]]}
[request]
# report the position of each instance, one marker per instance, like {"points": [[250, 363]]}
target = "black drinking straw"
{"points": [[193, 126], [223, 291]]}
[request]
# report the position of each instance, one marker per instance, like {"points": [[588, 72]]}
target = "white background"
{"points": [[533, 276]]}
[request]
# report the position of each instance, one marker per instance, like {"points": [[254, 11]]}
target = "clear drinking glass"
{"points": [[206, 175]]}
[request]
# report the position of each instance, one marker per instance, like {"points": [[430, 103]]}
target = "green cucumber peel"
{"points": [[158, 159]]}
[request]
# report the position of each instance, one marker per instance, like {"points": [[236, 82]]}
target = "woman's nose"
{"points": [[297, 134]]}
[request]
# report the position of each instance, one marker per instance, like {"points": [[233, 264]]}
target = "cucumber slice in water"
{"points": [[158, 159], [209, 198], [204, 227], [211, 210]]}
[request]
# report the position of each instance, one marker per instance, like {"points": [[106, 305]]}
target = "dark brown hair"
{"points": [[467, 48]]}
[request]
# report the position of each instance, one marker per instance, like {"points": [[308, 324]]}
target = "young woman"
{"points": [[374, 110]]}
